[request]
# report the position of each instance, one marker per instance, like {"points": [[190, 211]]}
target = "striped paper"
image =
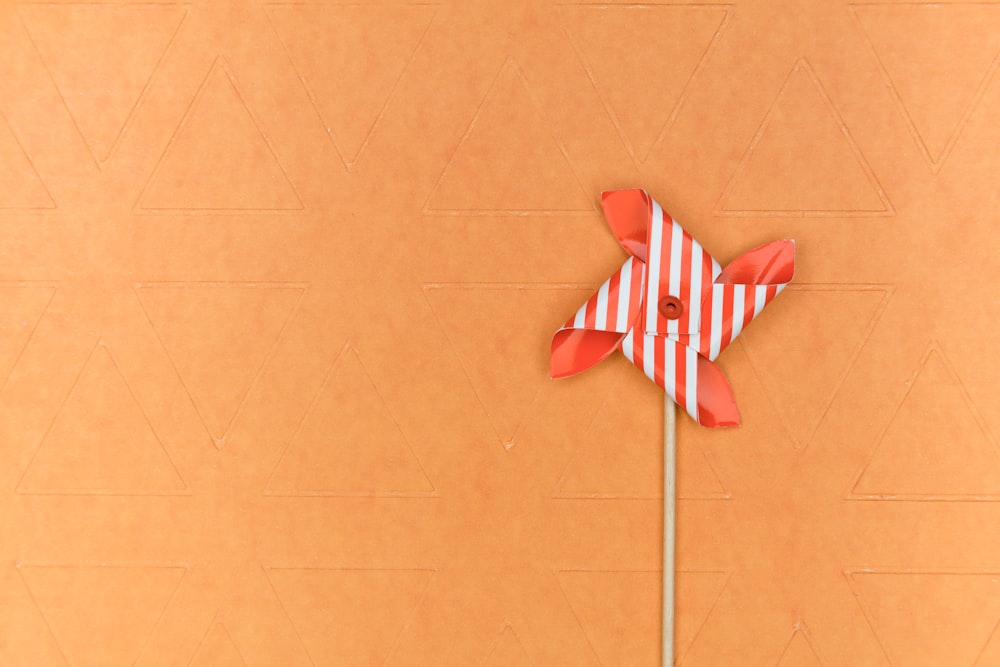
{"points": [[675, 350]]}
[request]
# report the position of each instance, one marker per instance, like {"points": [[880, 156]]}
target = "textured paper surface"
{"points": [[277, 289]]}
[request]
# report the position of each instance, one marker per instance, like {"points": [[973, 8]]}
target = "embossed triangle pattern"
{"points": [[218, 649], [278, 285], [101, 614], [101, 441], [20, 185], [801, 384], [803, 159], [369, 609], [102, 67], [623, 75], [911, 611], [361, 48], [241, 174], [508, 151], [799, 652], [935, 95], [508, 651], [203, 329], [477, 316], [348, 436], [935, 445]]}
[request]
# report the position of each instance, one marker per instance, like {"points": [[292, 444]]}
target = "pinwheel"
{"points": [[671, 309]]}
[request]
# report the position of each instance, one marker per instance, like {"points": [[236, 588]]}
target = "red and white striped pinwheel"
{"points": [[671, 308]]}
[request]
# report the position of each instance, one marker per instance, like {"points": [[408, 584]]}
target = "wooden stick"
{"points": [[669, 494]]}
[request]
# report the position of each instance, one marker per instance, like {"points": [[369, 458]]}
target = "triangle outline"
{"points": [[726, 576], [348, 348], [212, 626], [724, 492], [888, 291], [45, 309], [5, 125], [506, 442], [989, 641], [863, 603], [421, 598], [185, 490], [100, 162], [560, 494], [499, 638], [99, 565], [800, 629], [935, 163], [220, 441], [803, 65], [350, 161], [510, 64], [934, 348], [679, 652], [219, 63], [726, 9]]}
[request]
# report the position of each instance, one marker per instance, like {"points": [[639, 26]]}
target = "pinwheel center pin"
{"points": [[671, 307]]}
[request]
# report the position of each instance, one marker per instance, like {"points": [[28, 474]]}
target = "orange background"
{"points": [[278, 282]]}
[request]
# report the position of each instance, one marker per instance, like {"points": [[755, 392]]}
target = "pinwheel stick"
{"points": [[671, 308], [669, 494]]}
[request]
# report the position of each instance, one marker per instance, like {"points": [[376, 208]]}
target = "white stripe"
{"points": [[692, 381], [648, 357], [694, 319], [669, 368], [715, 344], [624, 296], [676, 245], [759, 299], [601, 321], [580, 318], [674, 286], [627, 347], [780, 287], [655, 246], [738, 297]]}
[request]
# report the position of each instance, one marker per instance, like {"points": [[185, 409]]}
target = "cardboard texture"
{"points": [[278, 284]]}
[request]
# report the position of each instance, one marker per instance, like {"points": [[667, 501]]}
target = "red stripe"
{"points": [[658, 364], [684, 293], [700, 328], [706, 311], [638, 290], [637, 287], [706, 268], [637, 357]]}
